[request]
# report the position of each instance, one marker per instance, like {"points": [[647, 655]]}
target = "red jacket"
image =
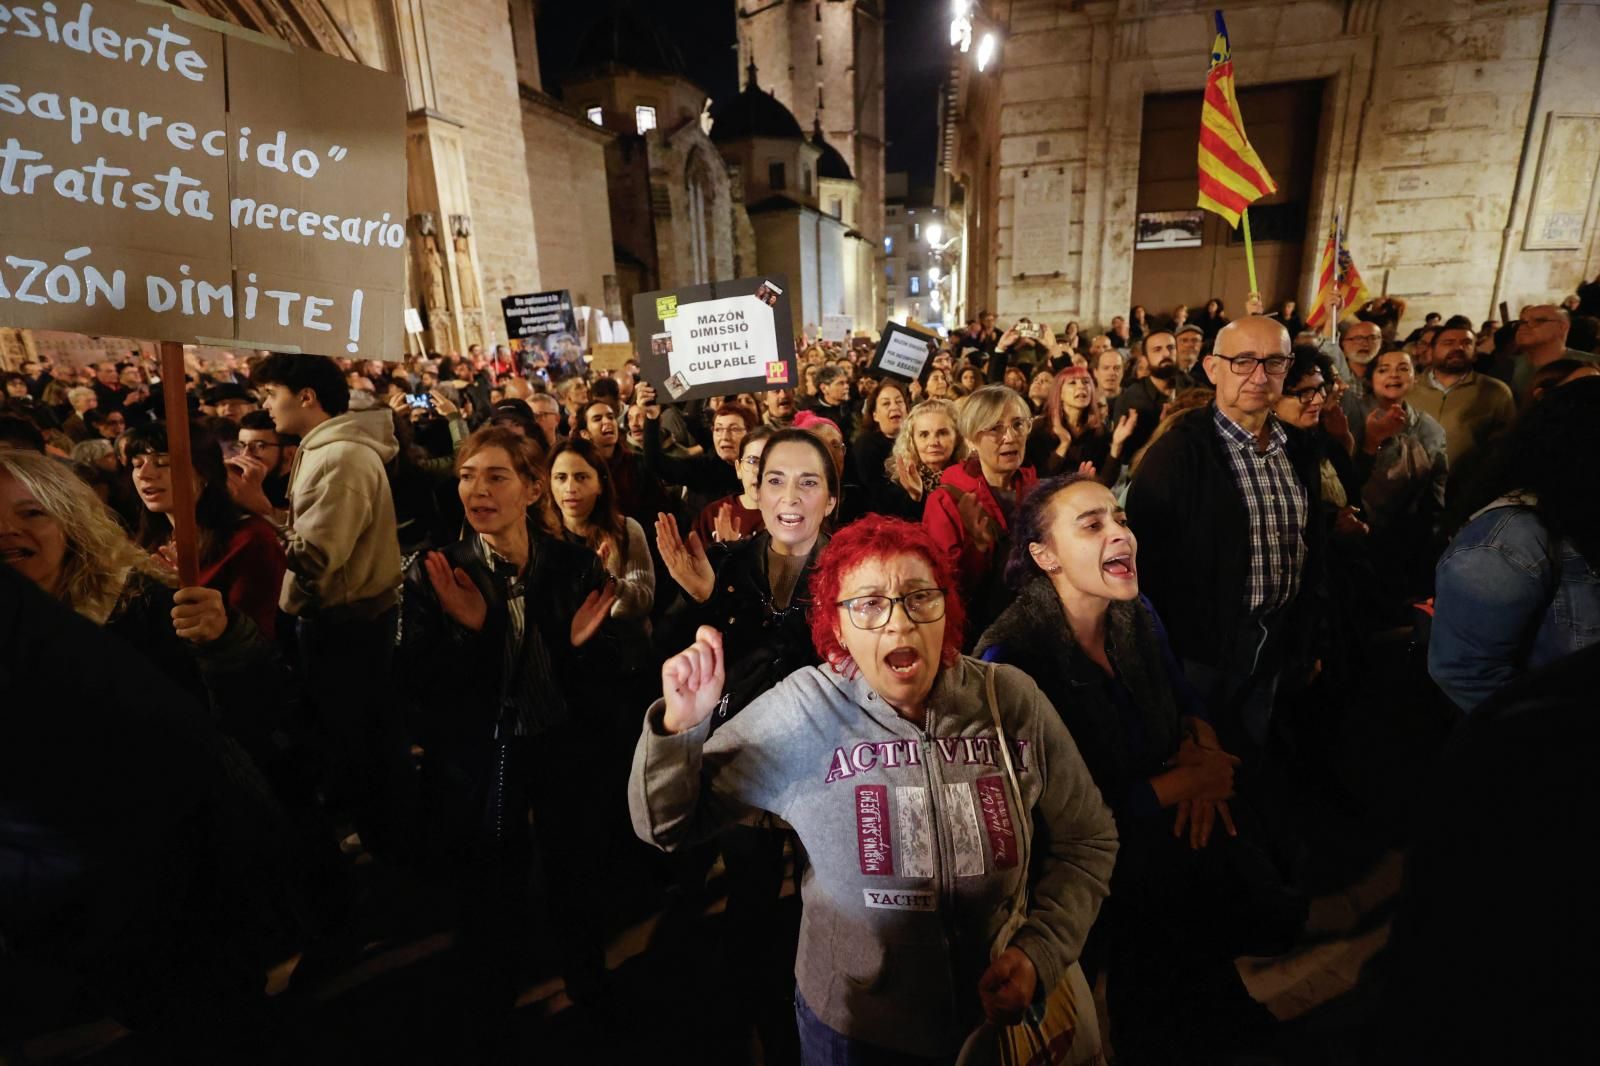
{"points": [[942, 518], [249, 573]]}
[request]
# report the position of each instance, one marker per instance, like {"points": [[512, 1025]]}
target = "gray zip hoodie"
{"points": [[342, 544], [911, 835]]}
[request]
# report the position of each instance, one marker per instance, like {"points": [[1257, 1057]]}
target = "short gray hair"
{"points": [[983, 407]]}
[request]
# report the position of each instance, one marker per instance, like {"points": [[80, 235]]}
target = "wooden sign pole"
{"points": [[174, 394]]}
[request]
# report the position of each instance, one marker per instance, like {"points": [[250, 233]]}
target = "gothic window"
{"points": [[644, 118], [701, 195], [596, 115], [775, 177]]}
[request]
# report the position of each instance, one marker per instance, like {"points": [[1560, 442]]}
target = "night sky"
{"points": [[916, 54]]}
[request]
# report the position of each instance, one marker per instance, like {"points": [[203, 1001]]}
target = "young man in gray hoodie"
{"points": [[342, 585]]}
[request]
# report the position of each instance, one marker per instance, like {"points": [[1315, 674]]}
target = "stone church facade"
{"points": [[1459, 139]]}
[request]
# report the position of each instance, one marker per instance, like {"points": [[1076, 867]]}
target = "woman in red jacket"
{"points": [[240, 554], [969, 514]]}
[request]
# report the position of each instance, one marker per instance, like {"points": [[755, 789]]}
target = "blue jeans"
{"points": [[823, 1046]]}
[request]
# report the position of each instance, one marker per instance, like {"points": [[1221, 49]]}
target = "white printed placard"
{"points": [[903, 352], [716, 340]]}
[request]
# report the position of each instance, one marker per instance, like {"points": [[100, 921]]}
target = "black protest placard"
{"points": [[902, 352], [543, 325], [716, 340]]}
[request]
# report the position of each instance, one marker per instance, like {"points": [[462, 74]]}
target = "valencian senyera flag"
{"points": [[1336, 273], [1232, 176]]}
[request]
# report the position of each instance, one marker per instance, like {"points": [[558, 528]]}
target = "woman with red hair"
{"points": [[1072, 435], [908, 772]]}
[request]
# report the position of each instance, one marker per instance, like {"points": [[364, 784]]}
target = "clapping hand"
{"points": [[1123, 430], [905, 474], [692, 680], [722, 528], [460, 598], [594, 610], [686, 561], [979, 527]]}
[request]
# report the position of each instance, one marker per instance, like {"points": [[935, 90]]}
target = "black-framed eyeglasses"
{"points": [[872, 612], [1310, 395], [1245, 365]]}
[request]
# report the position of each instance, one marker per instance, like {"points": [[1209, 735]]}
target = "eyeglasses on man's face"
{"points": [[1311, 394], [1245, 365], [872, 612]]}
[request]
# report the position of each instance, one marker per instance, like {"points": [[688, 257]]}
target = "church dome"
{"points": [[753, 113], [627, 36], [831, 163]]}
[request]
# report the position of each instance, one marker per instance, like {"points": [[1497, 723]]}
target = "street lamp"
{"points": [[934, 233], [986, 49]]}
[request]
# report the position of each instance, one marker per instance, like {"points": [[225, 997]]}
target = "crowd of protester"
{"points": [[1003, 665]]}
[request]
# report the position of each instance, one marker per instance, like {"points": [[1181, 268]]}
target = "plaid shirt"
{"points": [[1278, 508]]}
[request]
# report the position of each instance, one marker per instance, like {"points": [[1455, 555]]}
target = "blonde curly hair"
{"points": [[905, 444], [100, 557]]}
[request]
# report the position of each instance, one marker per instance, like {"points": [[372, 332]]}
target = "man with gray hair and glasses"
{"points": [[1541, 339], [1230, 485]]}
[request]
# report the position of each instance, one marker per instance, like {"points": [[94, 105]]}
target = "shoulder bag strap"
{"points": [[1024, 818]]}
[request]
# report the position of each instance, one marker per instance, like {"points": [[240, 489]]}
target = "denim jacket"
{"points": [[1509, 600]]}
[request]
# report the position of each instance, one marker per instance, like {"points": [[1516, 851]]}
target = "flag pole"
{"points": [[1249, 252]]}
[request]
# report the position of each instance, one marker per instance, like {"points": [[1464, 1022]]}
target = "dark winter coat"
{"points": [[1126, 726]]}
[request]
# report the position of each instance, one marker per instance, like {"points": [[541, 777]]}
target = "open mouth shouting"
{"points": [[1120, 567], [791, 520], [903, 662]]}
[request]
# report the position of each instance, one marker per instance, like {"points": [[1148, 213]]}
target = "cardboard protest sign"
{"points": [[717, 339], [837, 327], [611, 356], [163, 175], [547, 328], [902, 352]]}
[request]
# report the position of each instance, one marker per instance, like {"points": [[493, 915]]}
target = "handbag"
{"points": [[1060, 1035]]}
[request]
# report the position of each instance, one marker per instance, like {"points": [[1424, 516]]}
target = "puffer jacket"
{"points": [[911, 832]]}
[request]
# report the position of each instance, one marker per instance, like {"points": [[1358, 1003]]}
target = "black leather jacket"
{"points": [[455, 678], [761, 646]]}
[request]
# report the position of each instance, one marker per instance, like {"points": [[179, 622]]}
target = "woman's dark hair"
{"points": [[215, 513], [1548, 455], [869, 423], [814, 442], [315, 372], [1307, 359], [1031, 525], [755, 436], [604, 520]]}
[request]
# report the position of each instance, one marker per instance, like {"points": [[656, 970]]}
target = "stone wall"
{"points": [[1421, 140], [572, 220], [475, 77]]}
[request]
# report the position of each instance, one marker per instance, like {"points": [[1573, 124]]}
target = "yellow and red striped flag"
{"points": [[1336, 273], [1232, 176]]}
